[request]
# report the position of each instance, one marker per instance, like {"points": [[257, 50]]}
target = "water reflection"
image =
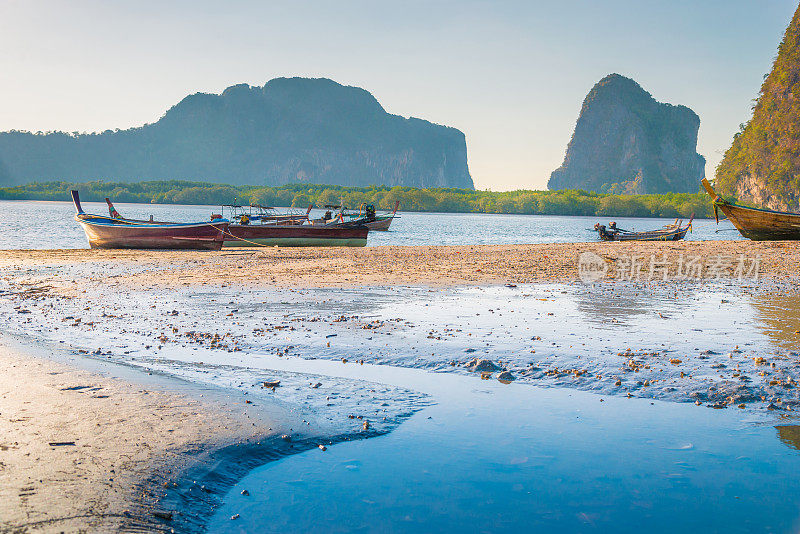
{"points": [[778, 316], [620, 304], [789, 435]]}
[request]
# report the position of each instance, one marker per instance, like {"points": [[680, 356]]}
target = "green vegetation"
{"points": [[763, 163], [563, 202]]}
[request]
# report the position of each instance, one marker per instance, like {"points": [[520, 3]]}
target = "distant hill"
{"points": [[627, 142], [762, 165], [290, 130]]}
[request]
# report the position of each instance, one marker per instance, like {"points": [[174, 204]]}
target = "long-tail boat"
{"points": [[271, 231], [382, 222], [365, 216], [755, 223], [255, 226], [264, 214], [115, 232], [669, 232], [294, 235]]}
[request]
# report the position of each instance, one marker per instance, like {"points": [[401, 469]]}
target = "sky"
{"points": [[510, 74]]}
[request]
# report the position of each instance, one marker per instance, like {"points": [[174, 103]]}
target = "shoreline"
{"points": [[81, 449]]}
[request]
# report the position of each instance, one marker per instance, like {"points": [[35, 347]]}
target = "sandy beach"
{"points": [[426, 265], [89, 453]]}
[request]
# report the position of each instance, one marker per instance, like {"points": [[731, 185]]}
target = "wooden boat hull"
{"points": [[669, 232], [763, 225], [674, 235], [104, 232], [295, 236], [757, 224], [380, 224]]}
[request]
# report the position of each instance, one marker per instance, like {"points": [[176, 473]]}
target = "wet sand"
{"points": [[84, 452], [425, 265]]}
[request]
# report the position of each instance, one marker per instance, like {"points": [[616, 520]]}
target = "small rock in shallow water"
{"points": [[477, 365], [506, 376]]}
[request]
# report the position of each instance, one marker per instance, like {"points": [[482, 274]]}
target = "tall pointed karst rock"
{"points": [[762, 165], [627, 142]]}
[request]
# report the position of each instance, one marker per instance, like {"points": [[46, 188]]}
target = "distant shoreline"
{"points": [[435, 200]]}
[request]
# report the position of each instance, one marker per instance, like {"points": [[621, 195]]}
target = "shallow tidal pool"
{"points": [[490, 457]]}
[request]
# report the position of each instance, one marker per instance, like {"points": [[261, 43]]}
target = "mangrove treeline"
{"points": [[564, 202]]}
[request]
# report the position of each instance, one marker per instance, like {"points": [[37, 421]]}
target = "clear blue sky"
{"points": [[511, 75]]}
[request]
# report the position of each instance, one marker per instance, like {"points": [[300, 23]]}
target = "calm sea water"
{"points": [[24, 222]]}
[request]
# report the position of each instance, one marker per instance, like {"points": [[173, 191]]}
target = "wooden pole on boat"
{"points": [[714, 195], [111, 210], [77, 202]]}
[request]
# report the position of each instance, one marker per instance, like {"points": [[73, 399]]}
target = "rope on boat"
{"points": [[239, 238]]}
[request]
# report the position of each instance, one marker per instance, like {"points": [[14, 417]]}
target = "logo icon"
{"points": [[591, 267]]}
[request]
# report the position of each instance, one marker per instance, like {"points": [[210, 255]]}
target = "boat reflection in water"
{"points": [[778, 317], [789, 435]]}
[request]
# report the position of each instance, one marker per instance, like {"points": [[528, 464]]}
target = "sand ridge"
{"points": [[397, 265]]}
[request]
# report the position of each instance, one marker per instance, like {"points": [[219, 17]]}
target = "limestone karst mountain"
{"points": [[290, 130], [627, 142]]}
